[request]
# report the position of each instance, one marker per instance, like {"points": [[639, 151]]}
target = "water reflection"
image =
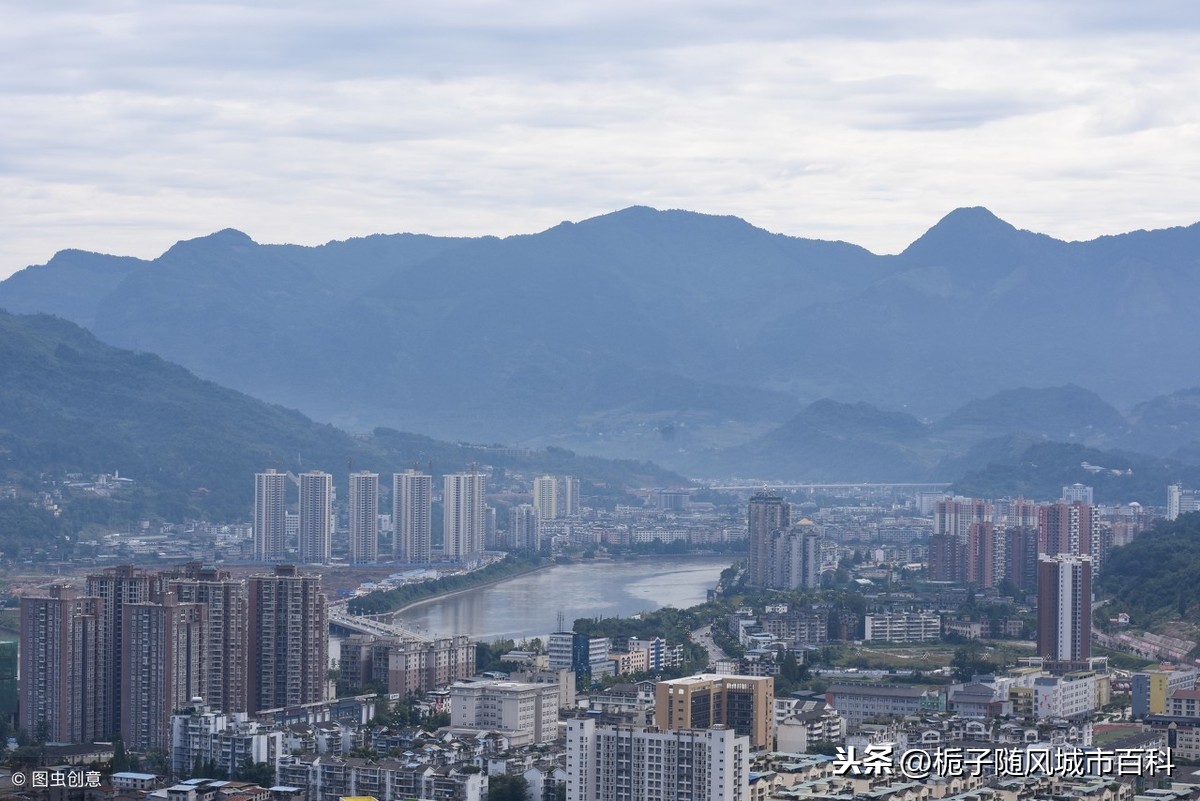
{"points": [[528, 606]]}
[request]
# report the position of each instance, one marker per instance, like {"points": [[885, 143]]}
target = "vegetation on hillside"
{"points": [[1154, 578], [1041, 470], [70, 404]]}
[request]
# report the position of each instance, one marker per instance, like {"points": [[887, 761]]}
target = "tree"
{"points": [[120, 760], [507, 787], [261, 773], [969, 662]]}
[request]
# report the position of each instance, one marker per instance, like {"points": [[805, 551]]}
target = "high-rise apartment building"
{"points": [[1064, 632], [946, 558], [1181, 501], [621, 763], [1072, 528], [1077, 493], [794, 557], [117, 587], [586, 656], [288, 639], [1015, 512], [463, 497], [162, 669], [545, 497], [954, 516], [412, 501], [225, 624], [742, 703], [363, 508], [405, 666], [270, 516], [524, 532], [767, 514], [63, 690], [569, 498], [981, 556], [1021, 543], [316, 520]]}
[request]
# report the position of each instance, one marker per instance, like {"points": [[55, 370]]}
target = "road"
{"points": [[703, 636]]}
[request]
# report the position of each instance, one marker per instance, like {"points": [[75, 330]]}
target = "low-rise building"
{"points": [[903, 627], [1149, 689], [859, 703]]}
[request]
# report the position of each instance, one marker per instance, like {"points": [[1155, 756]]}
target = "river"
{"points": [[529, 605]]}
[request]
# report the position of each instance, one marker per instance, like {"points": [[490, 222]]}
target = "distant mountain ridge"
{"points": [[664, 334], [1018, 442]]}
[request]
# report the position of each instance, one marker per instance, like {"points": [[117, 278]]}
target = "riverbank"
{"points": [[391, 601], [481, 585], [539, 602]]}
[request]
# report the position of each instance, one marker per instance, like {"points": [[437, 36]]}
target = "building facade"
{"points": [[363, 513], [525, 534], [619, 763], [412, 503], [270, 516], [162, 669], [288, 633], [744, 704], [63, 693], [1064, 608], [118, 586], [226, 613], [545, 497], [463, 496], [316, 517], [525, 713], [766, 514]]}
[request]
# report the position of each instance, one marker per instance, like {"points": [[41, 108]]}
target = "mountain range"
{"points": [[700, 341]]}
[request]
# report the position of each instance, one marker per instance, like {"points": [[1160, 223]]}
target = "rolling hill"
{"points": [[71, 404]]}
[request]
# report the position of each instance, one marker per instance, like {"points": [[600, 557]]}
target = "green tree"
{"points": [[120, 760], [261, 773], [507, 787], [968, 662]]}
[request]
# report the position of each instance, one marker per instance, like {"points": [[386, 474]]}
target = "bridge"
{"points": [[344, 623], [790, 487]]}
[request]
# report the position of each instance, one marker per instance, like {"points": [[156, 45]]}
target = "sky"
{"points": [[126, 126]]}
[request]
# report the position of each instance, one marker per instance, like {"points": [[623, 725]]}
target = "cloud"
{"points": [[126, 126]]}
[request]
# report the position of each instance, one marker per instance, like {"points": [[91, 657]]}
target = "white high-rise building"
{"points": [[545, 497], [462, 516], [316, 517], [524, 532], [270, 516], [613, 763], [412, 494], [570, 496], [363, 504], [1077, 493], [1064, 608], [1181, 501]]}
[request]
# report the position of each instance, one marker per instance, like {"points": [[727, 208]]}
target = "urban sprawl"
{"points": [[884, 642]]}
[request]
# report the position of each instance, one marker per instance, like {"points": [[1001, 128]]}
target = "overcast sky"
{"points": [[126, 126]]}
